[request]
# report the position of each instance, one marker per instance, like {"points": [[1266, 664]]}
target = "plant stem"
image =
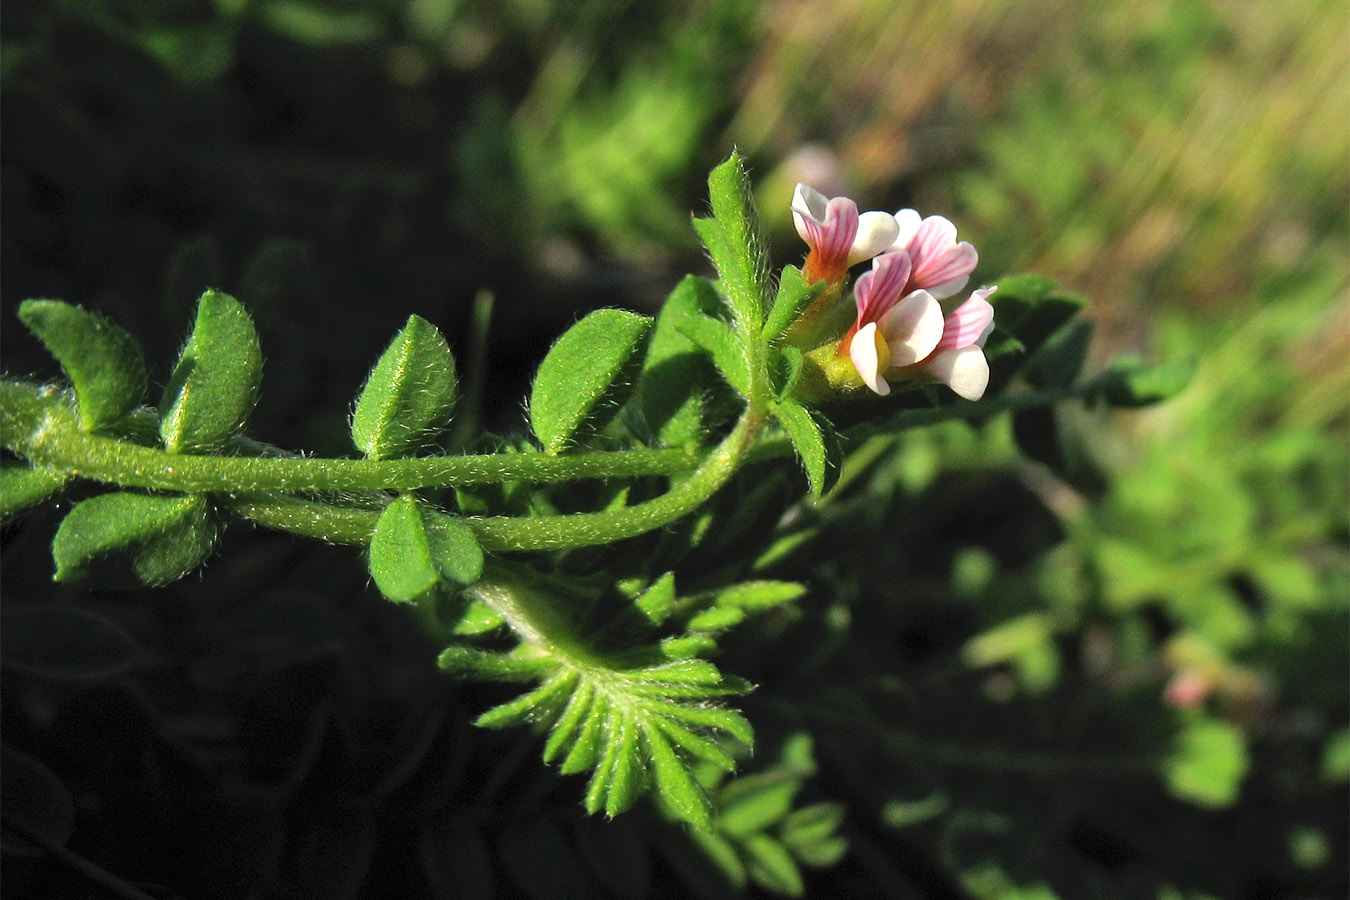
{"points": [[39, 424]]}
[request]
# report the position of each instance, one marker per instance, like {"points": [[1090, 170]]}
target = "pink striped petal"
{"points": [[871, 357], [945, 274], [912, 328], [879, 288], [967, 324]]}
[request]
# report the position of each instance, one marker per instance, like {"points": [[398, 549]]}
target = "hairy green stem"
{"points": [[39, 424]]}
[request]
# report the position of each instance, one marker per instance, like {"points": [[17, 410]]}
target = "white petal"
{"points": [[965, 371], [949, 288], [807, 201], [876, 232], [908, 221], [866, 350], [913, 328]]}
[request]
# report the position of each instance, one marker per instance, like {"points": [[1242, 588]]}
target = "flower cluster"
{"points": [[901, 330]]}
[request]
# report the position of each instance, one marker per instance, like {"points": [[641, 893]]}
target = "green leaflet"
{"points": [[1057, 362], [159, 537], [771, 866], [670, 400], [23, 486], [580, 371], [682, 795], [735, 243], [808, 438], [1131, 383], [754, 802], [101, 360], [415, 548], [725, 347], [408, 398], [215, 384], [793, 296]]}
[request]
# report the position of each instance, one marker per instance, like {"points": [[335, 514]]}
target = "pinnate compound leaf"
{"points": [[215, 383], [23, 486], [793, 296], [409, 396], [101, 360], [809, 439], [580, 371], [160, 537], [414, 548], [735, 243], [1130, 383], [625, 723]]}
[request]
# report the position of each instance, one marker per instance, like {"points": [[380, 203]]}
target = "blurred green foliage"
{"points": [[1123, 674]]}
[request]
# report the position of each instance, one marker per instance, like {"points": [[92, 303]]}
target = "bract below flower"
{"points": [[890, 332], [838, 236], [941, 265]]}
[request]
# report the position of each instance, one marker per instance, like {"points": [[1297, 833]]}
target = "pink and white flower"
{"points": [[910, 338], [891, 332], [838, 236], [958, 360], [941, 266]]}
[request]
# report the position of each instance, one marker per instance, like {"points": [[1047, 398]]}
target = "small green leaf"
{"points": [[722, 854], [536, 705], [771, 866], [657, 601], [413, 548], [717, 339], [682, 794], [793, 296], [1131, 383], [161, 537], [408, 398], [214, 385], [754, 596], [23, 486], [1059, 360], [808, 439], [627, 779], [580, 371], [719, 618], [755, 802], [670, 398], [572, 717], [101, 360], [735, 243], [489, 666], [1208, 764], [811, 824]]}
